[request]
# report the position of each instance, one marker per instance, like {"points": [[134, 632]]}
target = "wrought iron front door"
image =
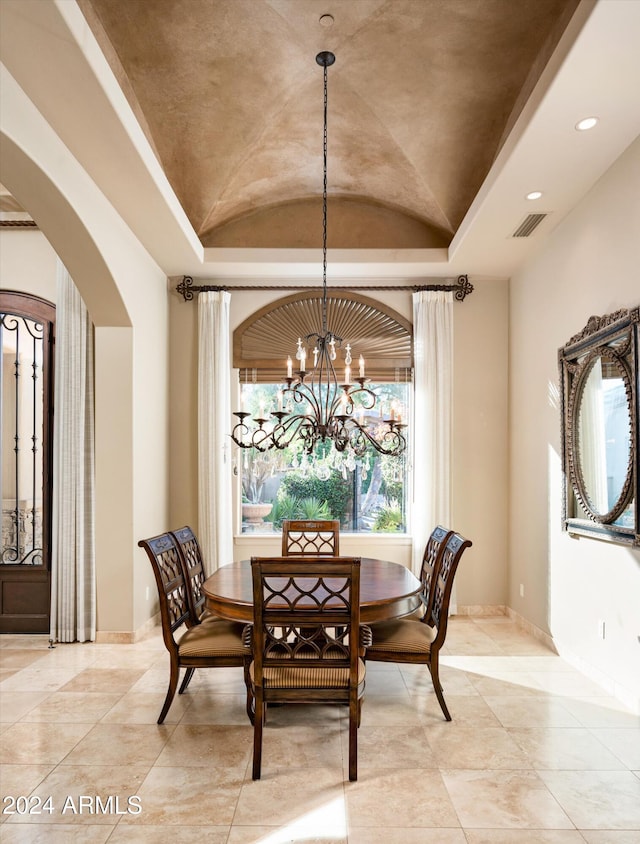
{"points": [[27, 326]]}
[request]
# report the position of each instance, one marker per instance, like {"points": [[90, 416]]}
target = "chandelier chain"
{"points": [[324, 210]]}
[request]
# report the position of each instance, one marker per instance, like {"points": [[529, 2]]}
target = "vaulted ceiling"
{"points": [[422, 96]]}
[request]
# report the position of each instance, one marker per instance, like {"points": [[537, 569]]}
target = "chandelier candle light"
{"points": [[328, 410]]}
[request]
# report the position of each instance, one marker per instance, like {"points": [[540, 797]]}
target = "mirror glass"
{"points": [[604, 434]]}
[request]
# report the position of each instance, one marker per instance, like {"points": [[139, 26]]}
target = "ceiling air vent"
{"points": [[528, 225]]}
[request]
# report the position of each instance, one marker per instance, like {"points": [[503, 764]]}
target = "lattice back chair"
{"points": [[310, 537], [411, 640], [431, 560], [200, 645], [306, 639], [192, 556]]}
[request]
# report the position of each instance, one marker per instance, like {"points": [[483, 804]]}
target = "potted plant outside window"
{"points": [[257, 469]]}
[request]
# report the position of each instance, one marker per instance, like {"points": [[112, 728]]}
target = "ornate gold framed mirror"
{"points": [[599, 387]]}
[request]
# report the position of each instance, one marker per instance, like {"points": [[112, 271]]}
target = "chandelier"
{"points": [[315, 405]]}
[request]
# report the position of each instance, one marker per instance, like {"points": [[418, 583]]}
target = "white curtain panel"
{"points": [[73, 576], [215, 530], [433, 414]]}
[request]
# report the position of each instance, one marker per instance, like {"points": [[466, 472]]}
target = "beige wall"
{"points": [[27, 263], [480, 434], [588, 266], [480, 443]]}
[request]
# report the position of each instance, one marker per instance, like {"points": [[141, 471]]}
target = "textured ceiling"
{"points": [[421, 97]]}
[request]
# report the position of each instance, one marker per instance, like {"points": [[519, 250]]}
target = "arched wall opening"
{"points": [[65, 231], [104, 259]]}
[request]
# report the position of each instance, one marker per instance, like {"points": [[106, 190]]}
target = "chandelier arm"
{"points": [[259, 438], [358, 442], [290, 427], [368, 398], [302, 392], [393, 437]]}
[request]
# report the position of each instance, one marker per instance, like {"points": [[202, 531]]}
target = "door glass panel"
{"points": [[21, 435]]}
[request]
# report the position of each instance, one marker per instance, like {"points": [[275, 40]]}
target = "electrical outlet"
{"points": [[522, 590], [601, 628]]}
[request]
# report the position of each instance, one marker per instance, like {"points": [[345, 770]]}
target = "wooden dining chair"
{"points": [[412, 640], [212, 645], [306, 640], [302, 537]]}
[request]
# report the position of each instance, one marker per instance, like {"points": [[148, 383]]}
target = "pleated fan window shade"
{"points": [[383, 337]]}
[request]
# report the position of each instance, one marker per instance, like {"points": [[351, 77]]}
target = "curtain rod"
{"points": [[186, 288]]}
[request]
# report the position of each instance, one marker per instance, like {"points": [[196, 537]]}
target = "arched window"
{"points": [[384, 337], [364, 494]]}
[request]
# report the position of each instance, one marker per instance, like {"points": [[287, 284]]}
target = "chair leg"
{"points": [[353, 741], [187, 679], [434, 669], [258, 725], [251, 703], [173, 685]]}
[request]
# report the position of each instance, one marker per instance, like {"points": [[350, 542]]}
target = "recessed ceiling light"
{"points": [[586, 123], [326, 20], [535, 194]]}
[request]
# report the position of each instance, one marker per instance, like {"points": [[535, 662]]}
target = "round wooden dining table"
{"points": [[387, 590]]}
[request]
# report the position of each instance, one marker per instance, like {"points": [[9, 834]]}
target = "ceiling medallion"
{"points": [[318, 407]]}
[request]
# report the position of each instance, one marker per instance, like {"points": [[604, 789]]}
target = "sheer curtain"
{"points": [[73, 576], [433, 391], [215, 530]]}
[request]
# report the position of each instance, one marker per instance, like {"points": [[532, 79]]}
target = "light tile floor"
{"points": [[535, 754]]}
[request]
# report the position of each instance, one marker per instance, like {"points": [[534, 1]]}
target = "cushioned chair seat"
{"points": [[324, 677], [402, 635], [214, 638]]}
